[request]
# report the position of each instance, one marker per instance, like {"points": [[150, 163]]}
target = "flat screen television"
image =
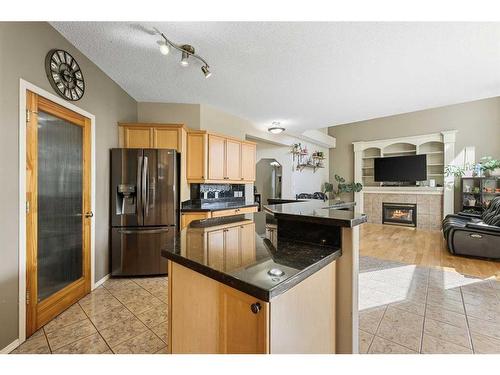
{"points": [[401, 168]]}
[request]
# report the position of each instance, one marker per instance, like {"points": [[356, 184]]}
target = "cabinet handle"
{"points": [[255, 307]]}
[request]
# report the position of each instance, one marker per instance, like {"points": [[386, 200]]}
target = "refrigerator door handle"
{"points": [[135, 231], [145, 186], [138, 189]]}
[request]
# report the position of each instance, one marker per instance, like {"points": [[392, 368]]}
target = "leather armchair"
{"points": [[474, 235]]}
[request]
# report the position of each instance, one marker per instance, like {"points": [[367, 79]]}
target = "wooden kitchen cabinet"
{"points": [[214, 158], [234, 211], [248, 162], [143, 135], [137, 137], [232, 160], [243, 326], [196, 156], [247, 244], [215, 249]]}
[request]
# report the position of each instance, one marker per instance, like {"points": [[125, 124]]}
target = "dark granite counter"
{"points": [[319, 212], [296, 259], [215, 206]]}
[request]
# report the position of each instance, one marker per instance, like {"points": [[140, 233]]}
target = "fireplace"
{"points": [[399, 214]]}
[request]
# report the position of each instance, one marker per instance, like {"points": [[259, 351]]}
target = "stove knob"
{"points": [[255, 307]]}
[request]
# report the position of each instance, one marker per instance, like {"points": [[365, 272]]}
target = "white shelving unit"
{"points": [[438, 147]]}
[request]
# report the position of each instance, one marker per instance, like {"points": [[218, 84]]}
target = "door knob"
{"points": [[89, 214], [255, 307]]}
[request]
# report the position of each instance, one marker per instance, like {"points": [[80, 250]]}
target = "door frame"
{"points": [[23, 87]]}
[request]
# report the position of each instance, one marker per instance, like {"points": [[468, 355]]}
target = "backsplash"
{"points": [[220, 192]]}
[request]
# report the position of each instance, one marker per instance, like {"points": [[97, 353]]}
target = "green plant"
{"points": [[489, 164], [342, 186], [456, 170]]}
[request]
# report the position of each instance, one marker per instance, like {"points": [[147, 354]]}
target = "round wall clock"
{"points": [[64, 74]]}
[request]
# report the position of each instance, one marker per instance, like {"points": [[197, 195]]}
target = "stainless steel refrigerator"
{"points": [[144, 212]]}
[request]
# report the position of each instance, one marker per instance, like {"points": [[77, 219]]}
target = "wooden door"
{"points": [[138, 137], [215, 249], [166, 138], [248, 163], [233, 160], [243, 325], [247, 243], [196, 156], [216, 158], [232, 253], [58, 218]]}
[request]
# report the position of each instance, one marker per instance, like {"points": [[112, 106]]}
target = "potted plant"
{"points": [[342, 187], [490, 166]]}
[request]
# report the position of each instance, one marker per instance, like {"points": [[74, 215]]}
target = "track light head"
{"points": [[205, 71], [187, 51], [164, 48]]}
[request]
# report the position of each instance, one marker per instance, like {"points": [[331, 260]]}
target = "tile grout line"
{"points": [[425, 313], [469, 335], [47, 339], [98, 332]]}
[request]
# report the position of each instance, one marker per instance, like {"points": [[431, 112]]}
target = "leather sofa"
{"points": [[474, 235]]}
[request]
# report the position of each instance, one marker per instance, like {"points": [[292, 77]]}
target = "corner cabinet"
{"points": [[214, 158], [142, 135]]}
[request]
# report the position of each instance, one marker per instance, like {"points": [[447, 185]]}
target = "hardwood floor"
{"points": [[420, 247]]}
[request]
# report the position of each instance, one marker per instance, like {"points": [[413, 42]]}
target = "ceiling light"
{"points": [[184, 60], [205, 71], [164, 48], [276, 128], [186, 50]]}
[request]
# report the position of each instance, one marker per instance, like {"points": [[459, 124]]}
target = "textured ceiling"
{"points": [[306, 75]]}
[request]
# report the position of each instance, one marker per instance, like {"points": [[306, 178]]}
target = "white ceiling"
{"points": [[306, 75]]}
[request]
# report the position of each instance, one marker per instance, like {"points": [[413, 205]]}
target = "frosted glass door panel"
{"points": [[60, 205]]}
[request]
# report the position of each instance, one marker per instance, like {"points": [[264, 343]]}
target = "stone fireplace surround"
{"points": [[429, 205]]}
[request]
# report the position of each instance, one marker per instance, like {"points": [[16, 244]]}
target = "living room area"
{"points": [[427, 285]]}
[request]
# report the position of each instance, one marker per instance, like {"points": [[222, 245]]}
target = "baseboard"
{"points": [[100, 282], [14, 344]]}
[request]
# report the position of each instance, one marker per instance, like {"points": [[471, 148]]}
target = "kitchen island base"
{"points": [[206, 316]]}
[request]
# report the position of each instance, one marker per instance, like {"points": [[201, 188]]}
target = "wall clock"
{"points": [[64, 74]]}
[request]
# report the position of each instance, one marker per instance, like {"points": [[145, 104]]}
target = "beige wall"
{"points": [[478, 125], [23, 47], [170, 113]]}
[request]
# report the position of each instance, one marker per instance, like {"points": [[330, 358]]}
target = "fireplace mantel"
{"points": [[403, 190]]}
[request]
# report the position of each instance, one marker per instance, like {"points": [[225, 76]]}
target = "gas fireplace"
{"points": [[399, 214]]}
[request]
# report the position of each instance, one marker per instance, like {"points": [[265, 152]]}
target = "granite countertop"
{"points": [[297, 260], [215, 206], [318, 211]]}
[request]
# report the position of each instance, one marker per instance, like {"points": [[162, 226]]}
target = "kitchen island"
{"points": [[233, 288]]}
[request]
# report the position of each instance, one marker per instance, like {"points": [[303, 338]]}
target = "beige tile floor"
{"points": [[414, 309], [123, 316]]}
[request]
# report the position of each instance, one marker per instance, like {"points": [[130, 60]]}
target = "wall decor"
{"points": [[64, 75]]}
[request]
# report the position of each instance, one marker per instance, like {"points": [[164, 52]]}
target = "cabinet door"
{"points": [[166, 138], [137, 137], [215, 249], [247, 243], [233, 160], [241, 330], [216, 157], [232, 253], [196, 158], [248, 152]]}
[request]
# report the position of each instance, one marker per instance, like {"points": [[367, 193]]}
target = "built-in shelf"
{"points": [[401, 152]]}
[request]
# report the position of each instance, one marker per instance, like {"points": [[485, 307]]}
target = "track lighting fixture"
{"points": [[276, 128], [186, 50]]}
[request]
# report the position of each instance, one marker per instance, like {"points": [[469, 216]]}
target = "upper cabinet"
{"points": [[138, 135], [217, 159]]}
